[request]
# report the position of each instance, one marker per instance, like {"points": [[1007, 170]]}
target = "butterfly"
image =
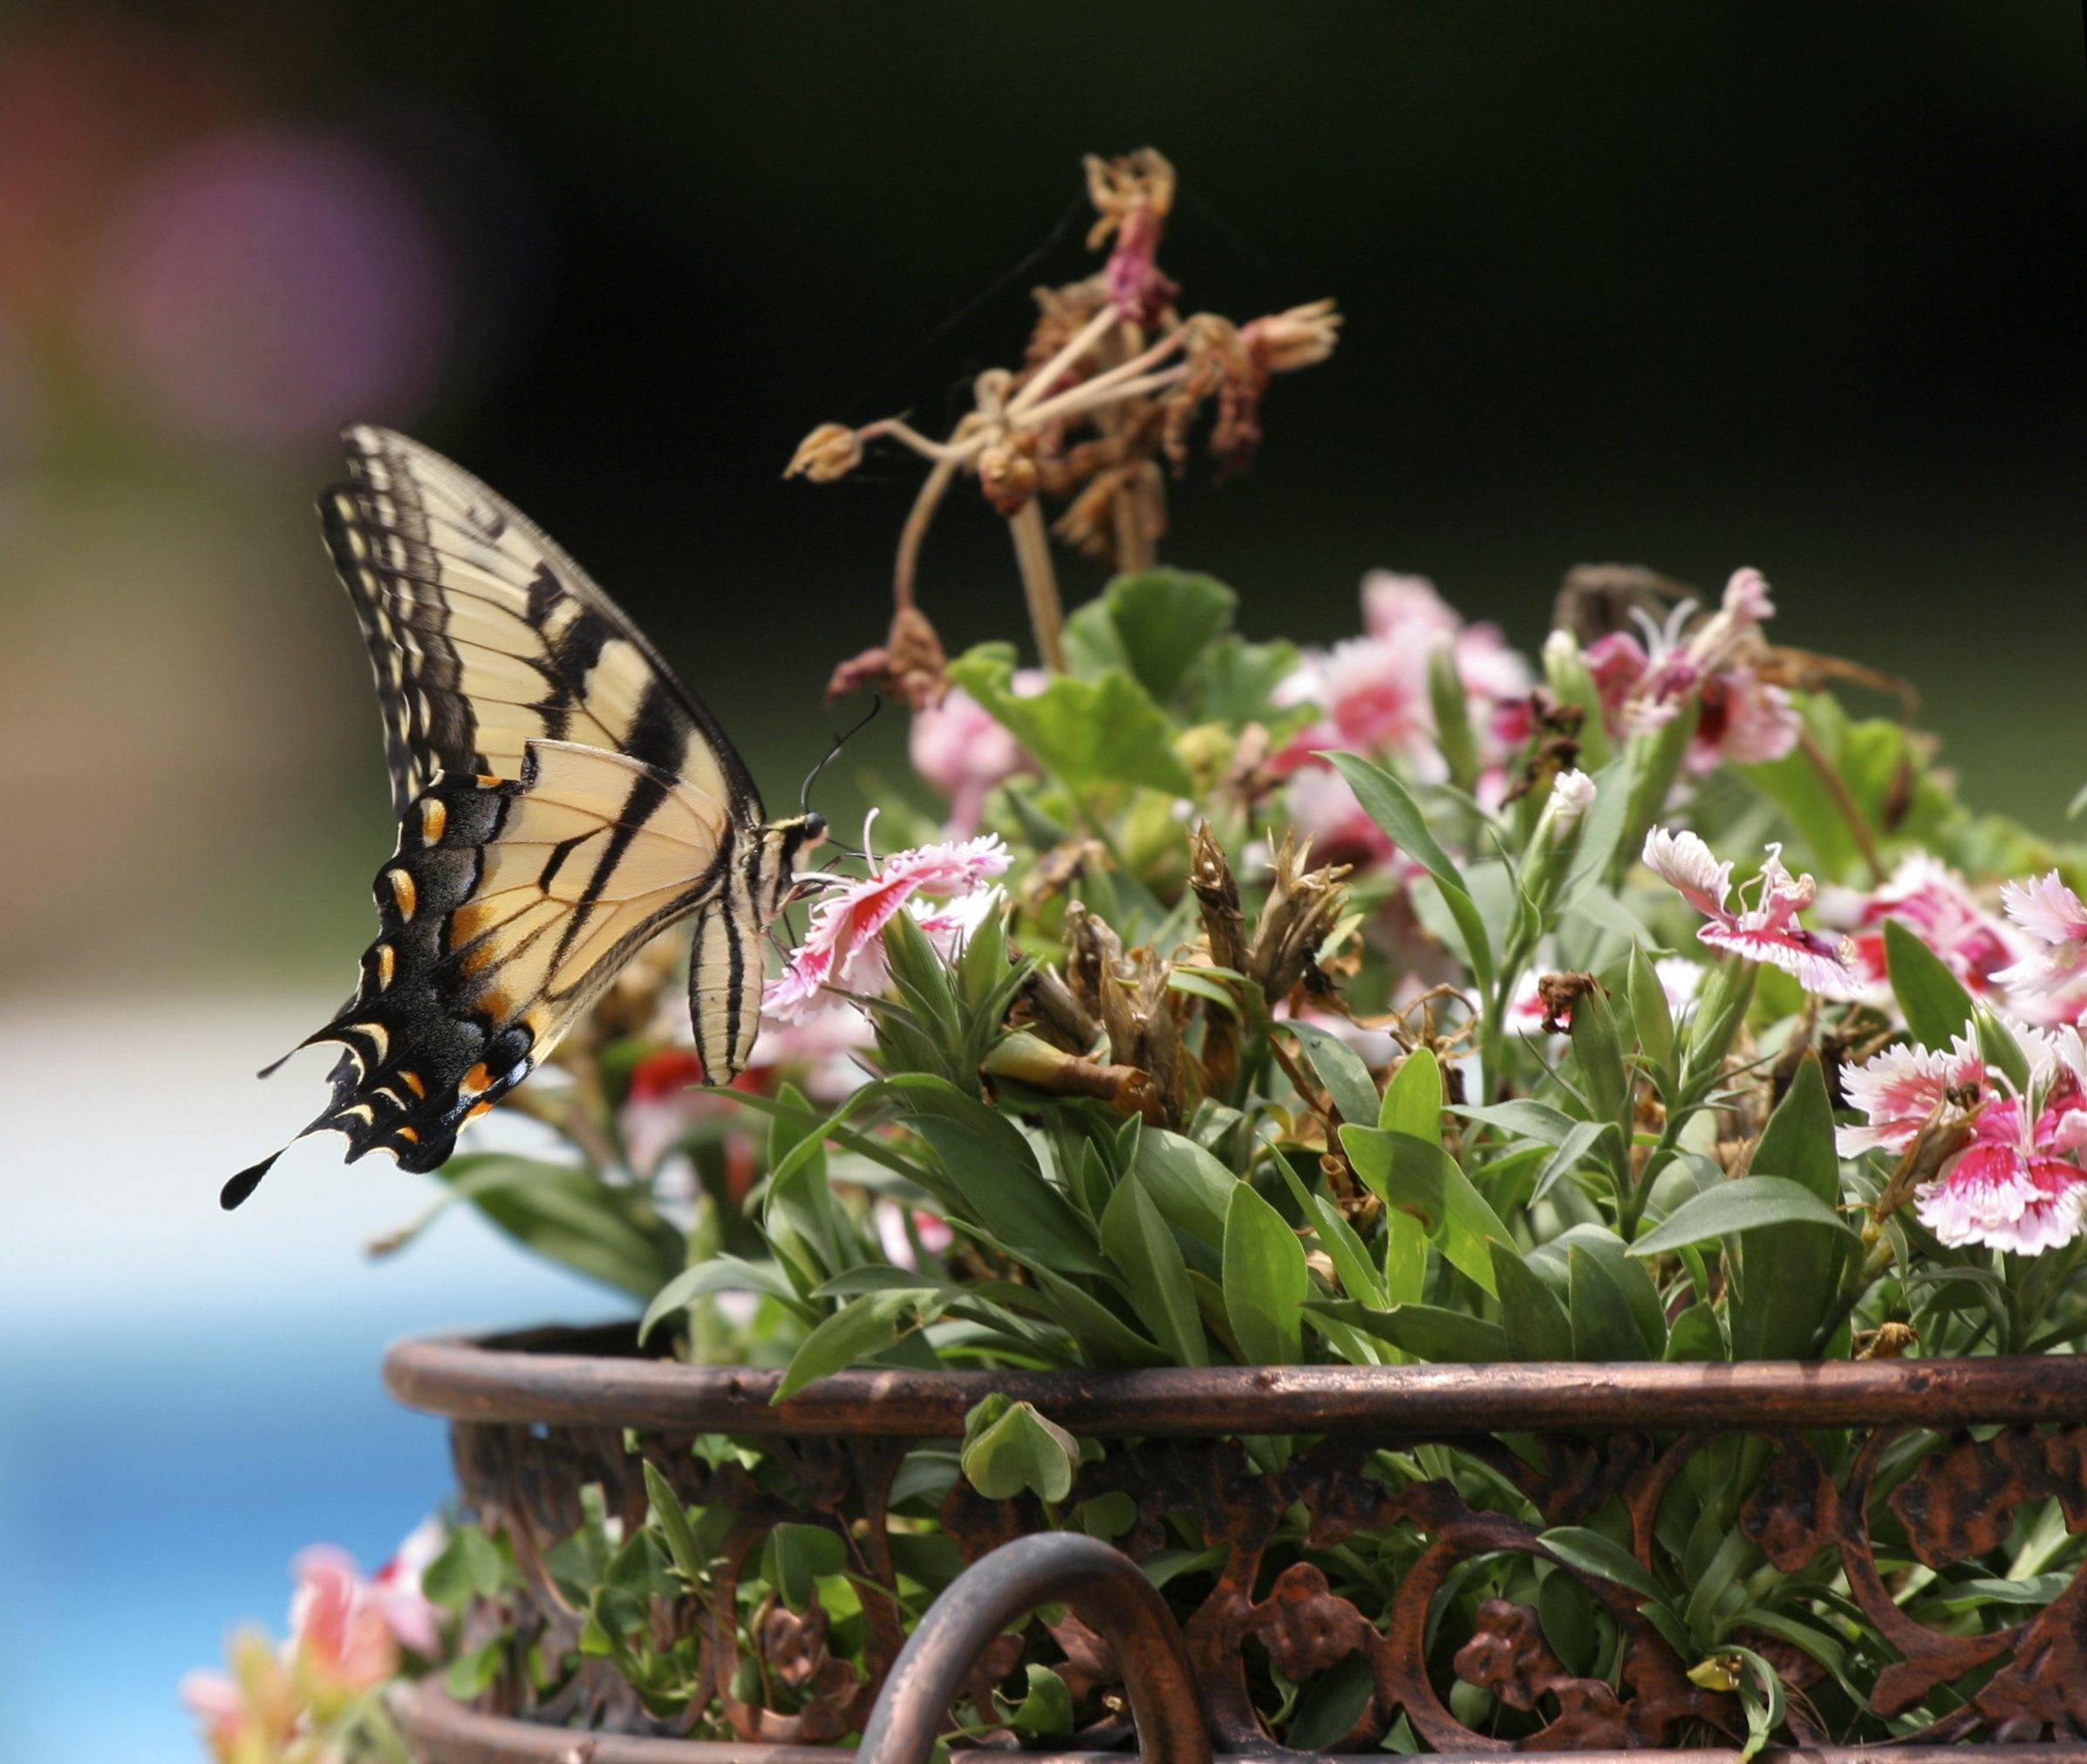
{"points": [[561, 800]]}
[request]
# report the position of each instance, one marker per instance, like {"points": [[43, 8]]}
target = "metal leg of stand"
{"points": [[1104, 1588]]}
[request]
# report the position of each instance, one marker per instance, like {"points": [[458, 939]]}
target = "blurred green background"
{"points": [[1686, 283]]}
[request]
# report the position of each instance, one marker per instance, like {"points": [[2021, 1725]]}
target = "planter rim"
{"points": [[594, 1377]]}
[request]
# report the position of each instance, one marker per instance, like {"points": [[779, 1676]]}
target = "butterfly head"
{"points": [[775, 860]]}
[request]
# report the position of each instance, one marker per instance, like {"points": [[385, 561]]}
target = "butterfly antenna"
{"points": [[804, 796]]}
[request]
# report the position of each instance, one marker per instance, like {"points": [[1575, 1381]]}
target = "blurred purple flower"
{"points": [[267, 284]]}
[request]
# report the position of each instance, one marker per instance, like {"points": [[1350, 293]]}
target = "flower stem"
{"points": [[1844, 799], [1040, 583]]}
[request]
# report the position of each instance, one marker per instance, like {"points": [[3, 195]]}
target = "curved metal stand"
{"points": [[1105, 1589]]}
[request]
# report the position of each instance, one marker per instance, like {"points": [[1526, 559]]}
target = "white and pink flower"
{"points": [[1644, 683], [2054, 921], [960, 749], [932, 1232], [843, 950], [1766, 931], [2017, 1186]]}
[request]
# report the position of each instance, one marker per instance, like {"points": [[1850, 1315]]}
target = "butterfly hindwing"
{"points": [[484, 634], [509, 905]]}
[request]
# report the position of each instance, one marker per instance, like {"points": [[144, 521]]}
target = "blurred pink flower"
{"points": [[1320, 803], [1930, 899], [395, 1589], [934, 1235], [843, 950], [341, 1638], [1743, 720], [960, 749], [1374, 692], [1767, 931], [220, 1705], [2016, 1186]]}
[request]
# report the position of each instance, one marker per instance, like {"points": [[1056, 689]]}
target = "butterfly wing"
{"points": [[485, 635], [509, 905]]}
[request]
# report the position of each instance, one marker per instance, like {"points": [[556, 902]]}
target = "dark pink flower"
{"points": [[1767, 930], [1930, 899]]}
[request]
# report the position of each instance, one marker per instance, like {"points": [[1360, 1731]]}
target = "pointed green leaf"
{"points": [[1155, 1279], [1266, 1281], [861, 1329], [1416, 1176], [1536, 1324], [1413, 1099], [1603, 1328], [1426, 1331], [1391, 805]]}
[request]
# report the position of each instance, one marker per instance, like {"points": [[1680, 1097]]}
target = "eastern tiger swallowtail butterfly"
{"points": [[562, 799]]}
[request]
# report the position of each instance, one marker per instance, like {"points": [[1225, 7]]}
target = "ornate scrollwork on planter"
{"points": [[1951, 1496]]}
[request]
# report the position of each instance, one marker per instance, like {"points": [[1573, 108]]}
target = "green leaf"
{"points": [[1155, 1279], [1046, 1709], [689, 1558], [1524, 1119], [720, 1274], [1236, 682], [1742, 1204], [1106, 730], [1104, 1338], [470, 1566], [1426, 1331], [1570, 1153], [1416, 1176], [1788, 1264], [1536, 1324], [1592, 1553], [1413, 1099], [1935, 1005], [1008, 1195], [1010, 1449], [1164, 620], [1340, 1070], [1651, 1016], [1696, 1336], [794, 1558], [861, 1329], [1603, 1328], [1187, 1183], [469, 1674], [1391, 805], [605, 1231], [1266, 1281]]}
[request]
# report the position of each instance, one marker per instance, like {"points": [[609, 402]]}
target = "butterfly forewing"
{"points": [[485, 635]]}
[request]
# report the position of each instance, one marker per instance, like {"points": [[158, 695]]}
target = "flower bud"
{"points": [[1452, 709], [1565, 672], [832, 449], [1555, 842]]}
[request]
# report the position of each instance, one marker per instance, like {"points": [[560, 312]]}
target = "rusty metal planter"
{"points": [[535, 1417]]}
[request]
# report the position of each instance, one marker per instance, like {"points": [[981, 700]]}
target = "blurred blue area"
{"points": [[188, 1397]]}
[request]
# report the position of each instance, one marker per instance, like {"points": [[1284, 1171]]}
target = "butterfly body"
{"points": [[562, 799]]}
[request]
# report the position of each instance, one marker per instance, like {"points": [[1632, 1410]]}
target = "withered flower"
{"points": [[1303, 906], [907, 665]]}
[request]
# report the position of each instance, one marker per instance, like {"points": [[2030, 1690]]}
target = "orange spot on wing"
{"points": [[434, 819], [404, 895], [409, 1135], [387, 964], [477, 1109], [466, 921], [478, 1078], [411, 1082]]}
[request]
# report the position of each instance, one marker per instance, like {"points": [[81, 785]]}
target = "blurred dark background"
{"points": [[1688, 284]]}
